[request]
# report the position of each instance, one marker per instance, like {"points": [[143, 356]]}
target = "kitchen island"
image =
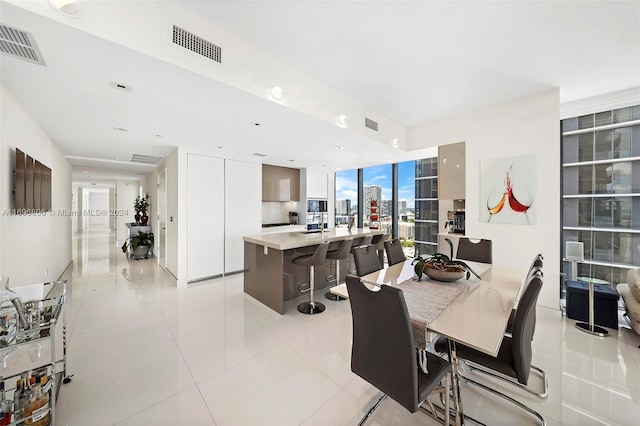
{"points": [[269, 273]]}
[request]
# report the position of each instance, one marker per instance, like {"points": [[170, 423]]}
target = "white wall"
{"points": [[176, 166], [33, 248], [529, 125], [126, 193]]}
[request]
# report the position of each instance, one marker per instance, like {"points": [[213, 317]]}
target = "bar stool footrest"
{"points": [[304, 288]]}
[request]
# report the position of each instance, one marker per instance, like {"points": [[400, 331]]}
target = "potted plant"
{"points": [[441, 267], [140, 205], [139, 245]]}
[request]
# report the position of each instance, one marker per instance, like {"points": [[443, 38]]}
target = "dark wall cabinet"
{"points": [[280, 183]]}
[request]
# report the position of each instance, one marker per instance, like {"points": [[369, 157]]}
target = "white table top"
{"points": [[291, 240], [478, 317]]}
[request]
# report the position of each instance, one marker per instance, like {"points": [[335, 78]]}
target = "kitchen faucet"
{"points": [[321, 217]]}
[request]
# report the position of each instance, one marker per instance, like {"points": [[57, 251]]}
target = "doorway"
{"points": [[162, 218]]}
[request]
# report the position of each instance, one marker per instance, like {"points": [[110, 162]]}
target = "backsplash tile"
{"points": [[277, 211]]}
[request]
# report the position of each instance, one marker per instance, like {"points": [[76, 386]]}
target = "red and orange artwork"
{"points": [[515, 198]]}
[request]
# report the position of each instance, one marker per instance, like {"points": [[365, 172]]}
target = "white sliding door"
{"points": [[243, 209], [205, 247]]}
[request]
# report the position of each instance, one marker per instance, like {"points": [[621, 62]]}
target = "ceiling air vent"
{"points": [[196, 44], [19, 44], [147, 159], [370, 124]]}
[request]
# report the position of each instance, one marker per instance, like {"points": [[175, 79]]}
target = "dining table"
{"points": [[473, 312]]}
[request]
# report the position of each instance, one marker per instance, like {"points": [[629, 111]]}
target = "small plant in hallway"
{"points": [[139, 245], [140, 205]]}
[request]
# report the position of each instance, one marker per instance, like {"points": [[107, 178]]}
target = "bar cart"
{"points": [[31, 379]]}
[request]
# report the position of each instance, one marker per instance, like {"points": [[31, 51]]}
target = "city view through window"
{"points": [[377, 185]]}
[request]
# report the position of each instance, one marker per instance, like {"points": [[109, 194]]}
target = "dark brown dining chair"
{"points": [[357, 242], [378, 241], [395, 253], [383, 351], [513, 362], [366, 259], [474, 250]]}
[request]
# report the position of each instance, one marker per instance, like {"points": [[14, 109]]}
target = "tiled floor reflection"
{"points": [[144, 352]]}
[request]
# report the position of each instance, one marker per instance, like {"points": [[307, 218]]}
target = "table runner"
{"points": [[426, 299]]}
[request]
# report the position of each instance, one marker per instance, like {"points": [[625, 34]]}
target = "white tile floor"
{"points": [[144, 352]]}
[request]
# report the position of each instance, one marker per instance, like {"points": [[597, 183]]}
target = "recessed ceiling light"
{"points": [[84, 171], [69, 8], [342, 119], [120, 129], [158, 135], [339, 147], [259, 154], [121, 86], [255, 123], [291, 160], [218, 147], [394, 142], [276, 92], [117, 158]]}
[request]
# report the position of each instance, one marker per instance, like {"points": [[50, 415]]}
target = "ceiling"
{"points": [[413, 62]]}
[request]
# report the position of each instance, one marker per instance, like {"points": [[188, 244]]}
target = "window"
{"points": [[377, 186], [601, 191], [346, 196], [417, 202]]}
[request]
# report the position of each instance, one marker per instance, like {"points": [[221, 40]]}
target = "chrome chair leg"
{"points": [[543, 376], [372, 409], [508, 398]]}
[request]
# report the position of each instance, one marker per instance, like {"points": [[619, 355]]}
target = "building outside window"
{"points": [[414, 177], [346, 196], [601, 192], [377, 186], [426, 206]]}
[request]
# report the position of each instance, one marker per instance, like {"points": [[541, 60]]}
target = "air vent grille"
{"points": [[147, 159], [196, 44], [370, 124], [19, 44]]}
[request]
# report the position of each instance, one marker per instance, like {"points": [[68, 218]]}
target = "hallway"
{"points": [[144, 352]]}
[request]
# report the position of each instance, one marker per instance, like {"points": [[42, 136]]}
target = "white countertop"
{"points": [[291, 240]]}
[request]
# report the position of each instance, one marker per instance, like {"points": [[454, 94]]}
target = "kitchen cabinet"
{"points": [[316, 185], [280, 183], [451, 171]]}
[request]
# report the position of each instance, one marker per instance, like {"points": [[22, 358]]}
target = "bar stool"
{"points": [[316, 258], [357, 242], [342, 253], [378, 241]]}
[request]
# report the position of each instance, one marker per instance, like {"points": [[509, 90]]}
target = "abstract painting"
{"points": [[508, 190]]}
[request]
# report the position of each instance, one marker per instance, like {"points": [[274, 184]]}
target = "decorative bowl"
{"points": [[448, 276]]}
